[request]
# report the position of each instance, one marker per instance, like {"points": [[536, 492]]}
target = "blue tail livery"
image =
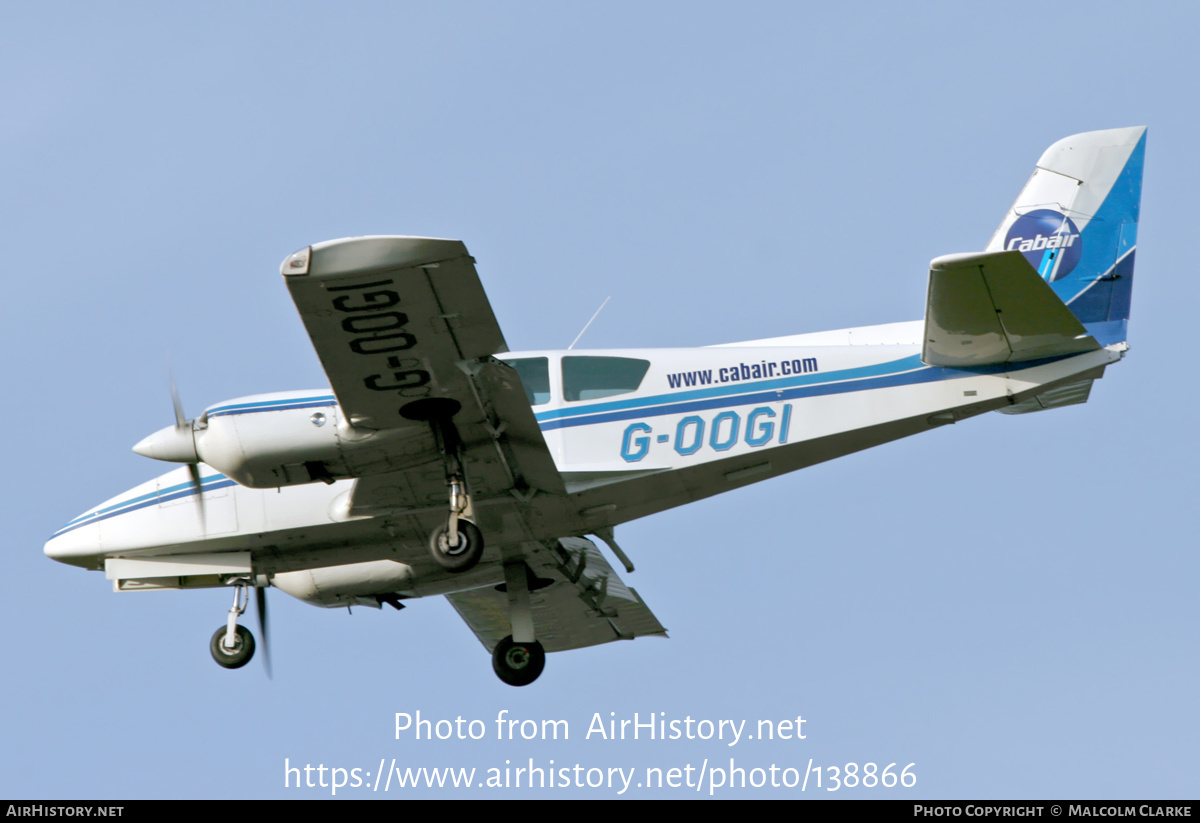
{"points": [[1076, 223]]}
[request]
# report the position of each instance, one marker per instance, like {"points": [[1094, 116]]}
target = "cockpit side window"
{"points": [[535, 376], [589, 378]]}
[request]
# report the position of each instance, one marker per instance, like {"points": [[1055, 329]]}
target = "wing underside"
{"points": [[577, 600], [401, 321]]}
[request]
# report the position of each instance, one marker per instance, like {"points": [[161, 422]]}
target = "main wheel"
{"points": [[241, 652], [462, 556], [518, 664]]}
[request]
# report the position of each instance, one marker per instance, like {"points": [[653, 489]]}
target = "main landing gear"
{"points": [[457, 545], [232, 645], [518, 659], [518, 664]]}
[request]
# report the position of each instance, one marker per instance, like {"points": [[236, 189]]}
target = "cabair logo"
{"points": [[1049, 240]]}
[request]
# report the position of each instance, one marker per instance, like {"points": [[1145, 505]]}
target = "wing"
{"points": [[577, 599], [402, 321], [993, 307]]}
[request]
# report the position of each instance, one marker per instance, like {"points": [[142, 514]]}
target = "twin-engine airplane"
{"points": [[441, 463]]}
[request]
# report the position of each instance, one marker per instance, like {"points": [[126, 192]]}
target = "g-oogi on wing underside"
{"points": [[406, 335]]}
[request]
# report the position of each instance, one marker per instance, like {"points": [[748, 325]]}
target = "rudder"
{"points": [[1076, 223]]}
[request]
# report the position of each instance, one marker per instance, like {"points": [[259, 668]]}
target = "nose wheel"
{"points": [[237, 656], [232, 645]]}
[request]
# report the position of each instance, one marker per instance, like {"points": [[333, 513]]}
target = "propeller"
{"points": [[260, 603], [177, 444], [185, 429]]}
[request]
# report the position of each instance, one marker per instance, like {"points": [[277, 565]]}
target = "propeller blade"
{"points": [[182, 424], [260, 601], [194, 474], [181, 420]]}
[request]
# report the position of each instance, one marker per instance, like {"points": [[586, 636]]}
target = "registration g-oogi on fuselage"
{"points": [[441, 463]]}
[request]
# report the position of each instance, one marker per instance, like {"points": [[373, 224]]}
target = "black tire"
{"points": [[240, 655], [462, 557], [518, 664]]}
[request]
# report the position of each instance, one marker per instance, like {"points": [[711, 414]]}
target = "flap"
{"points": [[576, 597]]}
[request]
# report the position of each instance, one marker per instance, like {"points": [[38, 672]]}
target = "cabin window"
{"points": [[535, 377], [589, 378]]}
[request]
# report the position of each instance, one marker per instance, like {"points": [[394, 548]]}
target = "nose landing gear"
{"points": [[237, 656], [232, 645]]}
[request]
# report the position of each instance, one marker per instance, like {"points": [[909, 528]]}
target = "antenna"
{"points": [[585, 328]]}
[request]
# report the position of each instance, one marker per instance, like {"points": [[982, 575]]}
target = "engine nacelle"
{"points": [[266, 442], [373, 582], [356, 584], [269, 441]]}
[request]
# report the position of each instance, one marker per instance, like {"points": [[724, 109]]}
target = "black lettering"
{"points": [[360, 345], [360, 286], [375, 322], [404, 380], [375, 300]]}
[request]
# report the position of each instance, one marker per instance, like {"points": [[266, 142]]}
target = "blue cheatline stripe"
{"points": [[906, 371], [273, 405], [154, 495], [922, 374], [176, 492], [739, 388]]}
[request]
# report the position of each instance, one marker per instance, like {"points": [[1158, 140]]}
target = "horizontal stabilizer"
{"points": [[990, 308]]}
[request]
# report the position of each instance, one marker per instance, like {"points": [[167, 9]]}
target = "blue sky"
{"points": [[1008, 603]]}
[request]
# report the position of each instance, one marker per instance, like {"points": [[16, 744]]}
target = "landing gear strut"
{"points": [[232, 645], [457, 545], [518, 659]]}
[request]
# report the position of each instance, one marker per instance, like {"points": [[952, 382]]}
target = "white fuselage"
{"points": [[749, 411]]}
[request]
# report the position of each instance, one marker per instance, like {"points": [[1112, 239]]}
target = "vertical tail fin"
{"points": [[1076, 223]]}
